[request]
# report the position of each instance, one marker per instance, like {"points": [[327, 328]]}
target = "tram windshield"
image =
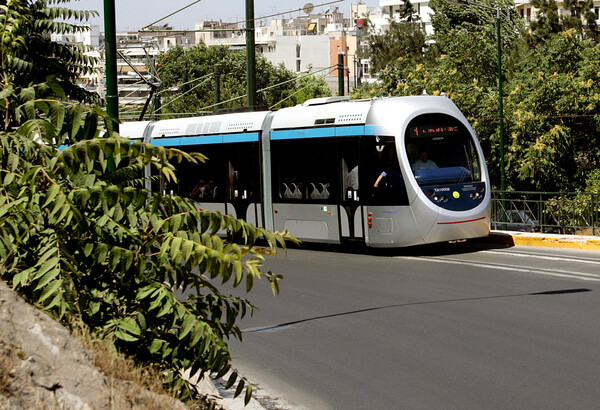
{"points": [[441, 151]]}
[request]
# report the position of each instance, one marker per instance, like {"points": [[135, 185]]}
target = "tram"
{"points": [[386, 172]]}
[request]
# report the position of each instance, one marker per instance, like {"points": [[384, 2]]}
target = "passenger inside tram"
{"points": [[423, 162]]}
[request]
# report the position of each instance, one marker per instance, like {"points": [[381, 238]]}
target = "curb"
{"points": [[511, 238]]}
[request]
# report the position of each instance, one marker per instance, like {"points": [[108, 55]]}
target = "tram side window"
{"points": [[231, 172], [382, 178], [204, 182], [304, 170]]}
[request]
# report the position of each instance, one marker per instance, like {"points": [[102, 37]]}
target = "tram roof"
{"points": [[323, 112], [211, 124]]}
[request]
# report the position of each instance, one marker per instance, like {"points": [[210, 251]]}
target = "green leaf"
{"points": [[128, 337], [130, 325], [186, 326], [155, 346], [88, 249], [239, 274], [144, 292], [21, 278], [46, 266], [9, 178], [12, 162], [101, 252], [50, 290], [248, 394], [239, 388], [58, 298], [231, 380], [44, 280], [51, 194], [188, 248], [175, 246], [249, 281]]}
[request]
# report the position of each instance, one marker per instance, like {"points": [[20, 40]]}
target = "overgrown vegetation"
{"points": [[81, 238]]}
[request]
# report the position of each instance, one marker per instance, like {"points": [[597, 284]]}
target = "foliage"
{"points": [[577, 15], [402, 43], [553, 103], [28, 56], [74, 241], [191, 72], [86, 242]]}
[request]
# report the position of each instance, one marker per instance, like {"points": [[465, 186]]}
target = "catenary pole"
{"points": [[250, 54], [110, 50]]}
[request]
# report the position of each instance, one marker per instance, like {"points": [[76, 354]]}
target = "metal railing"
{"points": [[575, 213]]}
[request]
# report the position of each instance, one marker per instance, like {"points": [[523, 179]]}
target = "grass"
{"points": [[127, 376]]}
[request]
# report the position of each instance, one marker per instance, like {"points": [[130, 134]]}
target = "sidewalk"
{"points": [[545, 239]]}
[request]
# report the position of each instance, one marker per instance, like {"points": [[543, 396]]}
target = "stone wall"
{"points": [[43, 367]]}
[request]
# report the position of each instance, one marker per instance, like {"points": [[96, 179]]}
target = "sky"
{"points": [[132, 15]]}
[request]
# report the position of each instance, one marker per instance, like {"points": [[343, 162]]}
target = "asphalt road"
{"points": [[441, 327]]}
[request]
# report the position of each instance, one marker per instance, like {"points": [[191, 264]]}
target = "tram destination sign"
{"points": [[432, 131]]}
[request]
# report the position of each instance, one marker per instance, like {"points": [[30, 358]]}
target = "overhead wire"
{"points": [[175, 12], [169, 102], [145, 28]]}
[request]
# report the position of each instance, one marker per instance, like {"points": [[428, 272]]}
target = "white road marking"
{"points": [[546, 257], [537, 271]]}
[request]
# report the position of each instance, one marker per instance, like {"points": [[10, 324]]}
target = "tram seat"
{"points": [[292, 191], [296, 192], [324, 190], [319, 191], [314, 193], [286, 191]]}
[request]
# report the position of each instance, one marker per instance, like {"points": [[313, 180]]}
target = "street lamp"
{"points": [[500, 107]]}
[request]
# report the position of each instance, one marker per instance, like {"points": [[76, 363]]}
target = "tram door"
{"points": [[350, 209], [243, 181], [305, 187]]}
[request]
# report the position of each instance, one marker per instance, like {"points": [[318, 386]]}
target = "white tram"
{"points": [[387, 172]]}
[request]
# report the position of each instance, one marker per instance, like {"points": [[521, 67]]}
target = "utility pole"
{"points": [[340, 67], [217, 79], [110, 50], [250, 54]]}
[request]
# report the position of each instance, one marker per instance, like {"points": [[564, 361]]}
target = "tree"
{"points": [[29, 56], [88, 244], [191, 73], [577, 15], [401, 43], [553, 102]]}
